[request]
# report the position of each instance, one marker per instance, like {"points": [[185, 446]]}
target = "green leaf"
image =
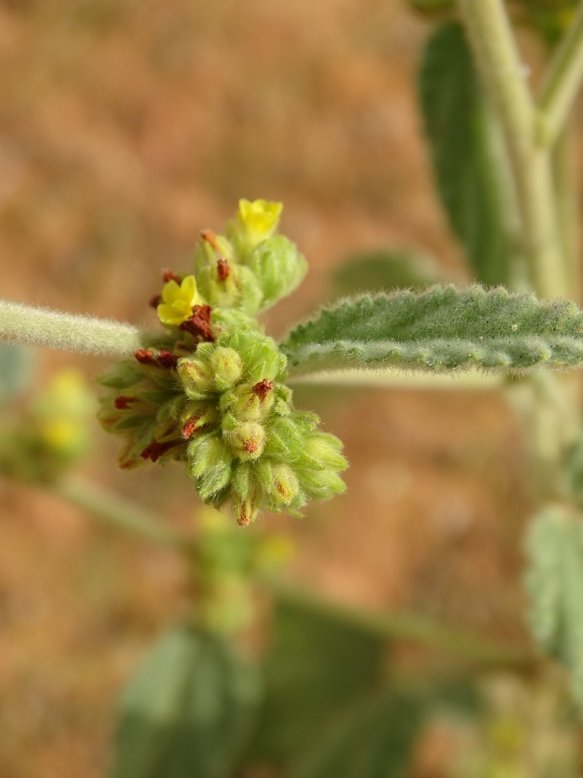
{"points": [[385, 270], [554, 581], [187, 711], [317, 666], [374, 740], [466, 152], [15, 370], [439, 330]]}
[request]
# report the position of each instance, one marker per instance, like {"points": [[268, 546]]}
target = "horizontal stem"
{"points": [[401, 626], [123, 514], [28, 325], [400, 379], [562, 82]]}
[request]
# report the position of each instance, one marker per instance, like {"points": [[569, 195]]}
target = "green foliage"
{"points": [[316, 668], [441, 329], [384, 270], [554, 581], [374, 740], [188, 711], [465, 152], [15, 370]]}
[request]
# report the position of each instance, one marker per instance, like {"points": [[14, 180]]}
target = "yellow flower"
{"points": [[259, 218], [178, 301]]}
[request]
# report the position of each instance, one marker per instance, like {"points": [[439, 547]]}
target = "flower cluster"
{"points": [[211, 393]]}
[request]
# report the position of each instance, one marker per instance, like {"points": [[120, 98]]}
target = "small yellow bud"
{"points": [[178, 301], [259, 218]]}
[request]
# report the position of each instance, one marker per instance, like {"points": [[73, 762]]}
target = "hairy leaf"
{"points": [[554, 580], [384, 271], [374, 740], [466, 152], [187, 711], [438, 330]]}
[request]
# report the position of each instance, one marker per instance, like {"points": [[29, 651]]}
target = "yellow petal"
{"points": [[170, 291]]}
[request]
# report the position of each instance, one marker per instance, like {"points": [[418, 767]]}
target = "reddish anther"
{"points": [[122, 402], [168, 275], [199, 324], [156, 449], [155, 301], [262, 388], [167, 359], [210, 237], [190, 427], [223, 269], [145, 356]]}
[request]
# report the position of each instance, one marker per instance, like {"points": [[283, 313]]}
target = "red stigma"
{"points": [[210, 237], [156, 449], [168, 275], [199, 324], [190, 427], [262, 388], [167, 359], [145, 356], [223, 269], [122, 402]]}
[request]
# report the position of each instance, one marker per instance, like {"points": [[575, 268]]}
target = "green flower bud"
{"points": [[249, 402], [279, 482], [226, 366], [285, 439], [278, 267], [240, 289], [196, 415], [322, 450], [210, 464], [320, 484], [260, 354], [245, 439], [245, 493], [196, 376]]}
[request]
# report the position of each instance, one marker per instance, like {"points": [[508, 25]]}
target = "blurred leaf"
{"points": [[15, 370], [554, 581], [438, 330], [375, 740], [316, 668], [465, 150], [188, 711], [384, 270]]}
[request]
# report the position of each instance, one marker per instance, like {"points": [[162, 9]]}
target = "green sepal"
{"points": [[278, 267]]}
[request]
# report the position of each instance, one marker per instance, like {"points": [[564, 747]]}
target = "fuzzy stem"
{"points": [[412, 628], [399, 379], [119, 513], [28, 325], [504, 76], [562, 82]]}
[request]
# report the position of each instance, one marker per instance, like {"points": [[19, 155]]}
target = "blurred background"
{"points": [[126, 127]]}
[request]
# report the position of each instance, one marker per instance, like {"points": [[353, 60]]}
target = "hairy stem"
{"points": [[28, 325], [127, 516], [399, 379], [119, 513], [505, 78], [561, 84]]}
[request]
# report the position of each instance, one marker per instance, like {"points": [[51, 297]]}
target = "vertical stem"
{"points": [[565, 162], [504, 76], [562, 82]]}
